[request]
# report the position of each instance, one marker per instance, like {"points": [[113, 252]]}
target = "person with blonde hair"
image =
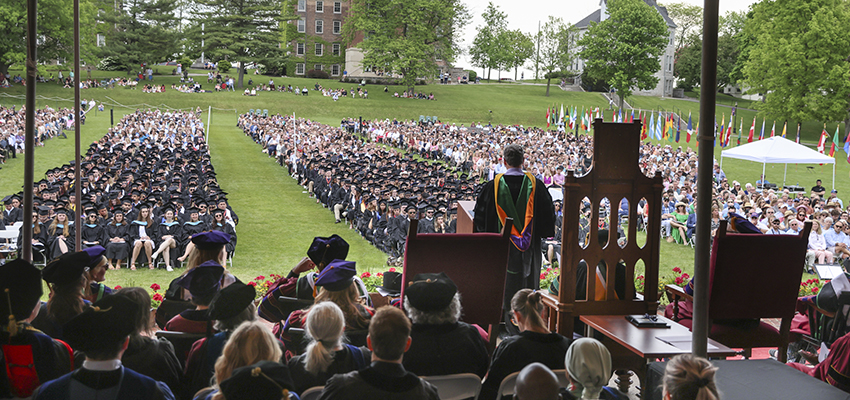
{"points": [[688, 377], [250, 343], [589, 370], [327, 354], [60, 234]]}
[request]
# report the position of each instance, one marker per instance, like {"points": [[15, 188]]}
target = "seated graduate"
{"points": [[203, 283], [102, 333], [338, 286], [64, 277], [441, 344], [533, 344], [146, 354], [537, 382], [385, 378], [322, 251], [835, 368], [688, 377], [231, 307], [260, 381], [207, 247], [589, 370], [250, 343], [27, 353], [326, 354], [96, 274]]}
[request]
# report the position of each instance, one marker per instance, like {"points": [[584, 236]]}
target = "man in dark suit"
{"points": [[521, 196]]}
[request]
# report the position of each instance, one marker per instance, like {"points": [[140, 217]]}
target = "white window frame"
{"points": [[320, 49], [337, 27], [335, 70], [299, 49], [336, 49], [101, 40], [299, 66], [320, 27], [337, 7], [318, 67], [302, 25], [320, 6], [302, 5]]}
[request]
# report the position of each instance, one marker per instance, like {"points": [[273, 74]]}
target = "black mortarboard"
{"points": [[431, 292], [231, 300], [323, 250], [23, 282], [263, 380], [108, 322], [67, 268]]}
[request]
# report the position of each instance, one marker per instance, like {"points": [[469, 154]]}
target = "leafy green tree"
{"points": [[623, 50], [407, 36], [144, 31], [688, 19], [487, 46], [519, 48], [241, 31], [688, 66], [799, 59], [55, 30], [557, 49]]}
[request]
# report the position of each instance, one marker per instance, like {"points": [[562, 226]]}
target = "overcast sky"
{"points": [[525, 14]]}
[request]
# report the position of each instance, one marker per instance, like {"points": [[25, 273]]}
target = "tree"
{"points": [[519, 48], [557, 50], [799, 59], [688, 66], [487, 46], [144, 31], [407, 37], [688, 19], [55, 30], [239, 31], [623, 50]]}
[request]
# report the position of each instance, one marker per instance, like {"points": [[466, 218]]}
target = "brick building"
{"points": [[316, 37]]}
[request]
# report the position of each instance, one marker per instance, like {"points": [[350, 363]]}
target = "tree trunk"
{"points": [[241, 72], [500, 75], [4, 68], [516, 71], [621, 101], [548, 80], [488, 74]]}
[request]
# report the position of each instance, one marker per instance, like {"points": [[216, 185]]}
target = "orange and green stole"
{"points": [[506, 207]]}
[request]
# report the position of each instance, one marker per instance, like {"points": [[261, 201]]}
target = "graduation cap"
{"points": [[232, 300], [741, 225], [95, 254], [67, 268], [210, 240], [102, 326], [7, 200], [337, 275], [203, 280], [431, 292], [325, 249], [20, 290], [391, 285], [263, 380]]}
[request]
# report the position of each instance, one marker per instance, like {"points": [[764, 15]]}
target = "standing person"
{"points": [[521, 196], [102, 333]]}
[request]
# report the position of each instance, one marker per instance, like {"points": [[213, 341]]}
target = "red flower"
{"points": [[157, 297], [549, 269], [252, 283], [155, 287], [677, 270], [680, 280], [804, 284], [542, 276], [815, 290], [380, 274], [259, 278], [116, 288], [641, 277], [392, 269], [365, 274], [685, 275]]}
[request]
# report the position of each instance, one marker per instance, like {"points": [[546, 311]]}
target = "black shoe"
{"points": [[337, 221]]}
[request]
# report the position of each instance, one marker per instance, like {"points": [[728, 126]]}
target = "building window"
{"points": [[302, 5], [299, 49], [319, 26], [337, 7], [301, 26], [337, 27], [335, 49], [101, 40], [335, 70], [319, 49], [320, 6], [299, 69], [317, 67]]}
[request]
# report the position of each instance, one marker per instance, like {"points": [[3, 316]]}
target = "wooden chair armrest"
{"points": [[549, 300], [677, 292]]}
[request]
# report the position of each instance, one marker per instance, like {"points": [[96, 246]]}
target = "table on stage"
{"points": [[632, 347], [755, 379]]}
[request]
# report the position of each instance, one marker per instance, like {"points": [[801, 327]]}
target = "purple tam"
{"points": [[94, 253], [210, 240], [337, 275], [741, 225]]}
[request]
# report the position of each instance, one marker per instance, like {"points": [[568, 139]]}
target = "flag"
{"points": [[723, 131], [798, 131], [632, 117], [561, 115], [690, 129], [773, 129], [670, 134], [643, 135], [834, 143], [741, 129], [784, 128], [761, 135], [678, 130], [730, 131], [652, 125], [752, 131], [696, 131], [822, 140], [620, 116], [847, 147], [547, 117], [658, 127]]}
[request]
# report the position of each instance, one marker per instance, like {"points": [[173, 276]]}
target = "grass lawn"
{"points": [[277, 221]]}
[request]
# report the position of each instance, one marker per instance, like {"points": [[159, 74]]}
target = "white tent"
{"points": [[778, 150]]}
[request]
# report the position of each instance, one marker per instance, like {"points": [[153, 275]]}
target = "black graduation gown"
{"points": [[135, 231], [189, 229], [117, 251], [92, 233], [53, 242], [41, 237], [523, 267], [228, 229], [173, 228]]}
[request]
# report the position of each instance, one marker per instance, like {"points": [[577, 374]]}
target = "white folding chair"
{"points": [[18, 224], [507, 386], [456, 386], [312, 393], [9, 241]]}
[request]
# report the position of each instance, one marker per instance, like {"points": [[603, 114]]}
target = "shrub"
{"points": [[313, 73], [223, 66], [111, 63], [472, 75]]}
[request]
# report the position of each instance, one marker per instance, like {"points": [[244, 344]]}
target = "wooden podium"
{"points": [[465, 214]]}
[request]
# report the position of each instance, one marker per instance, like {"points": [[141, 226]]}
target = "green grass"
{"points": [[277, 221]]}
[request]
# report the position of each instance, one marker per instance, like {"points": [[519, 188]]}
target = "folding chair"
{"points": [[265, 113], [507, 386], [251, 111], [312, 393], [456, 386], [181, 341]]}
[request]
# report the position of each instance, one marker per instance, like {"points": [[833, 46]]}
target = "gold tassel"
{"points": [[13, 323]]}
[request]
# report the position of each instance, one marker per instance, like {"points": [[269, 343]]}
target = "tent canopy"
{"points": [[777, 150]]}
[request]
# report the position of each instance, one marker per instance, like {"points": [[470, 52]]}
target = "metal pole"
{"points": [[78, 187], [702, 261], [29, 138], [209, 118]]}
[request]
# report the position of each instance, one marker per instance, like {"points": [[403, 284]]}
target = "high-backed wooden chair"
{"points": [[476, 262], [753, 276], [615, 175]]}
